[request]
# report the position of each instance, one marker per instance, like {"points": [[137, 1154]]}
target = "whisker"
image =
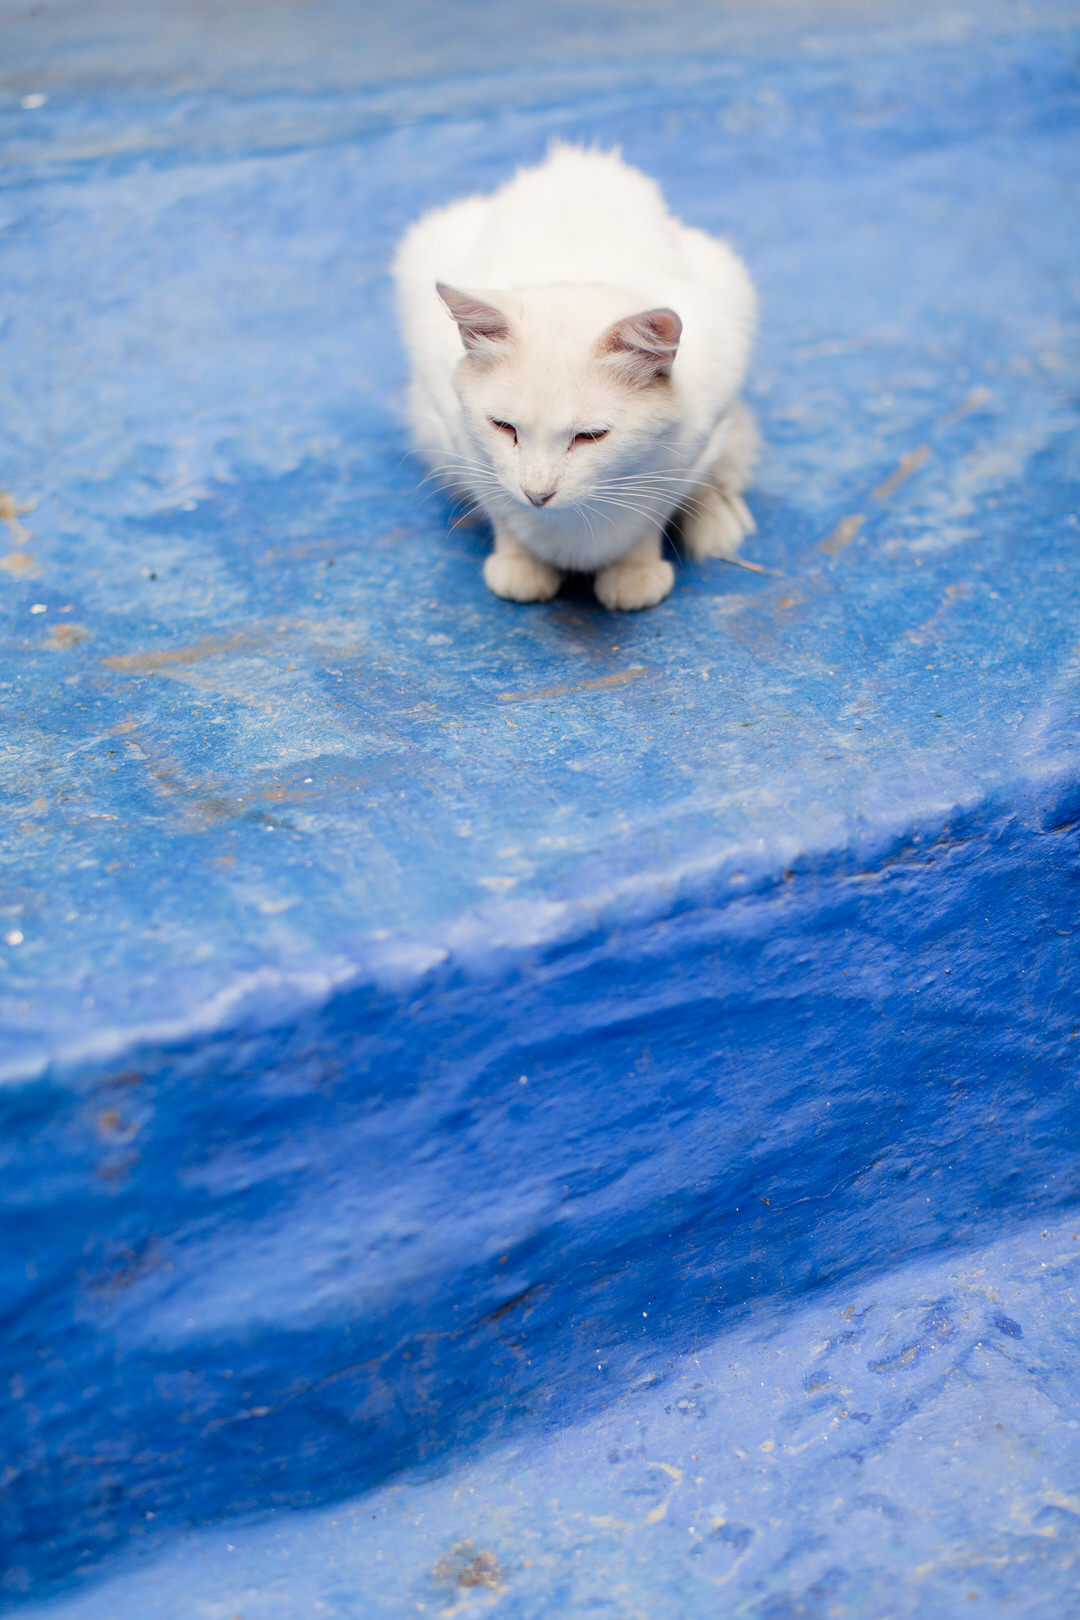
{"points": [[471, 474], [471, 507], [646, 480], [461, 467], [645, 512], [684, 503], [701, 481], [651, 487], [457, 497], [639, 511], [687, 504], [607, 516], [642, 488], [461, 476], [654, 498], [455, 455]]}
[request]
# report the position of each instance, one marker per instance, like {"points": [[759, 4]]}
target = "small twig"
{"points": [[755, 568]]}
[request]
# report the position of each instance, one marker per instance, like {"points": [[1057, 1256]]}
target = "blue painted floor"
{"points": [[907, 1448], [253, 626], [403, 993]]}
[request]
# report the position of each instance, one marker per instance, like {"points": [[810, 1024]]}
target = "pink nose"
{"points": [[539, 497]]}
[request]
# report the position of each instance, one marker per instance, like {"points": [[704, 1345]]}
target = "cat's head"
{"points": [[561, 389]]}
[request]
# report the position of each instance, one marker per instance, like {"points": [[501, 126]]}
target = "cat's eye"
{"points": [[591, 435], [504, 427]]}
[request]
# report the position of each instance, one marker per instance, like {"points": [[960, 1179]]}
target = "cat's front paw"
{"points": [[628, 586], [716, 525], [519, 577]]}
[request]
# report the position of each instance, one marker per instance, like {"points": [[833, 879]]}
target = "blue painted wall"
{"points": [[401, 987]]}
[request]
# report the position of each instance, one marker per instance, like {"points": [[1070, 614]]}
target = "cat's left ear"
{"points": [[643, 346], [482, 326]]}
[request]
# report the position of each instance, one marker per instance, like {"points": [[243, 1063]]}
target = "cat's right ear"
{"points": [[483, 327]]}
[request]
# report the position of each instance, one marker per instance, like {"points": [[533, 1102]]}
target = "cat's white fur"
{"points": [[581, 305]]}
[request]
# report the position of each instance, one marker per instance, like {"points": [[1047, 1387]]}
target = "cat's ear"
{"points": [[482, 326], [644, 346]]}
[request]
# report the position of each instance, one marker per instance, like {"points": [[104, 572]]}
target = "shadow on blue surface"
{"points": [[291, 1290], [866, 1454]]}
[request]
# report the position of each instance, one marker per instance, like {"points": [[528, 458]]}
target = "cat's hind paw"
{"points": [[716, 524], [627, 586], [519, 577]]}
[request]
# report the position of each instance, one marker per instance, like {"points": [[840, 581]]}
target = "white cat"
{"points": [[590, 387]]}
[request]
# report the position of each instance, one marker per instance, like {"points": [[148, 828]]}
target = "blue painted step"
{"points": [[403, 992], [905, 1448]]}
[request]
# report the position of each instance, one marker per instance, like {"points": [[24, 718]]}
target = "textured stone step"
{"points": [[903, 1447]]}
